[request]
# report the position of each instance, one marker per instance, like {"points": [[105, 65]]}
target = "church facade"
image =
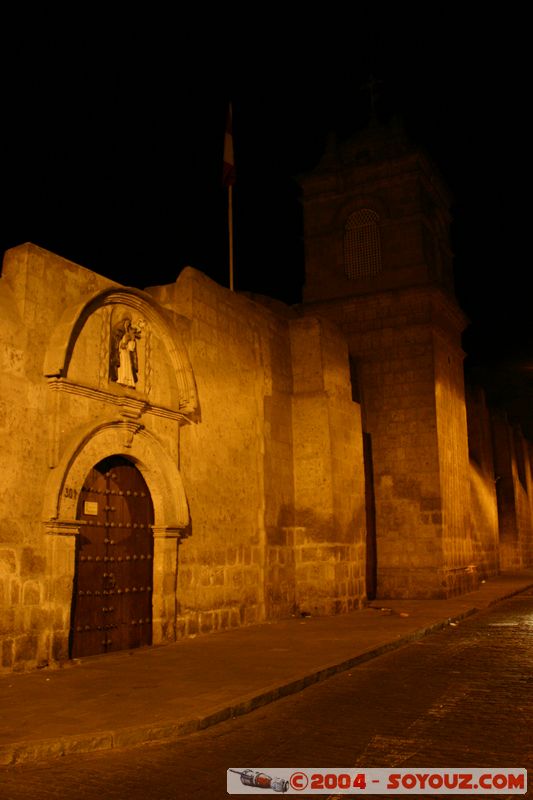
{"points": [[185, 459]]}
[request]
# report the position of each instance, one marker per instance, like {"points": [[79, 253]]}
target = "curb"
{"points": [[25, 752], [510, 594]]}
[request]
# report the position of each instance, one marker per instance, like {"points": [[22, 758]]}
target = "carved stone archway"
{"points": [[171, 521]]}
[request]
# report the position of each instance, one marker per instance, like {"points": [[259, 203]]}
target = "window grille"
{"points": [[362, 250]]}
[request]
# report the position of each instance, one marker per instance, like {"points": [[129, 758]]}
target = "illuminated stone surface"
{"points": [[246, 420]]}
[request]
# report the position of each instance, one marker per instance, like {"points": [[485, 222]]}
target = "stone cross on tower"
{"points": [[371, 87]]}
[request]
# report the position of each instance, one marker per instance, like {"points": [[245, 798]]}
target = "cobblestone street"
{"points": [[460, 697]]}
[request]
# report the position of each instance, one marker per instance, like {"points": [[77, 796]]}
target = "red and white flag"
{"points": [[228, 173]]}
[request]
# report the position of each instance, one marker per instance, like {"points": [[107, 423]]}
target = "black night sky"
{"points": [[113, 134]]}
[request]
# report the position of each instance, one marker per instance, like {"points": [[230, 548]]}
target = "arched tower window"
{"points": [[362, 251]]}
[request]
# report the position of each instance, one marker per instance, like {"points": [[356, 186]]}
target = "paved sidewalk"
{"points": [[132, 697]]}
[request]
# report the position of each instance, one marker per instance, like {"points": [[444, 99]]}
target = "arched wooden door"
{"points": [[112, 603]]}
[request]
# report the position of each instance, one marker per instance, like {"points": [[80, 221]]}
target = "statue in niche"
{"points": [[123, 360]]}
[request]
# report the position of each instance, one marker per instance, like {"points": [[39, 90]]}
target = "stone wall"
{"points": [[329, 537], [34, 289], [241, 422], [513, 487], [276, 497], [483, 501], [459, 569], [221, 574], [503, 467], [406, 345], [524, 494], [248, 432]]}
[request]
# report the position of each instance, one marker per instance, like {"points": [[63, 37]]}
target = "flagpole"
{"points": [[228, 179], [230, 228]]}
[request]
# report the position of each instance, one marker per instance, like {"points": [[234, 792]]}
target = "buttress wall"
{"points": [[407, 348], [512, 467], [329, 532], [483, 501]]}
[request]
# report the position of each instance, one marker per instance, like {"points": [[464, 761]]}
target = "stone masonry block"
{"points": [[31, 593], [26, 647], [31, 563], [8, 561], [7, 653], [15, 591]]}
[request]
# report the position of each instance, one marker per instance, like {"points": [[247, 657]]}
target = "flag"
{"points": [[228, 173]]}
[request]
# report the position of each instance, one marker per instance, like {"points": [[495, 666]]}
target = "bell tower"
{"points": [[379, 263], [376, 218]]}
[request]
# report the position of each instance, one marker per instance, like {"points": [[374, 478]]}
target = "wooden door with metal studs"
{"points": [[112, 603]]}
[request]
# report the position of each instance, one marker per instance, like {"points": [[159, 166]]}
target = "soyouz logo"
{"points": [[354, 780]]}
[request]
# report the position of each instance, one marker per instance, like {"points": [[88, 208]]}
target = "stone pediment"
{"points": [[120, 343]]}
